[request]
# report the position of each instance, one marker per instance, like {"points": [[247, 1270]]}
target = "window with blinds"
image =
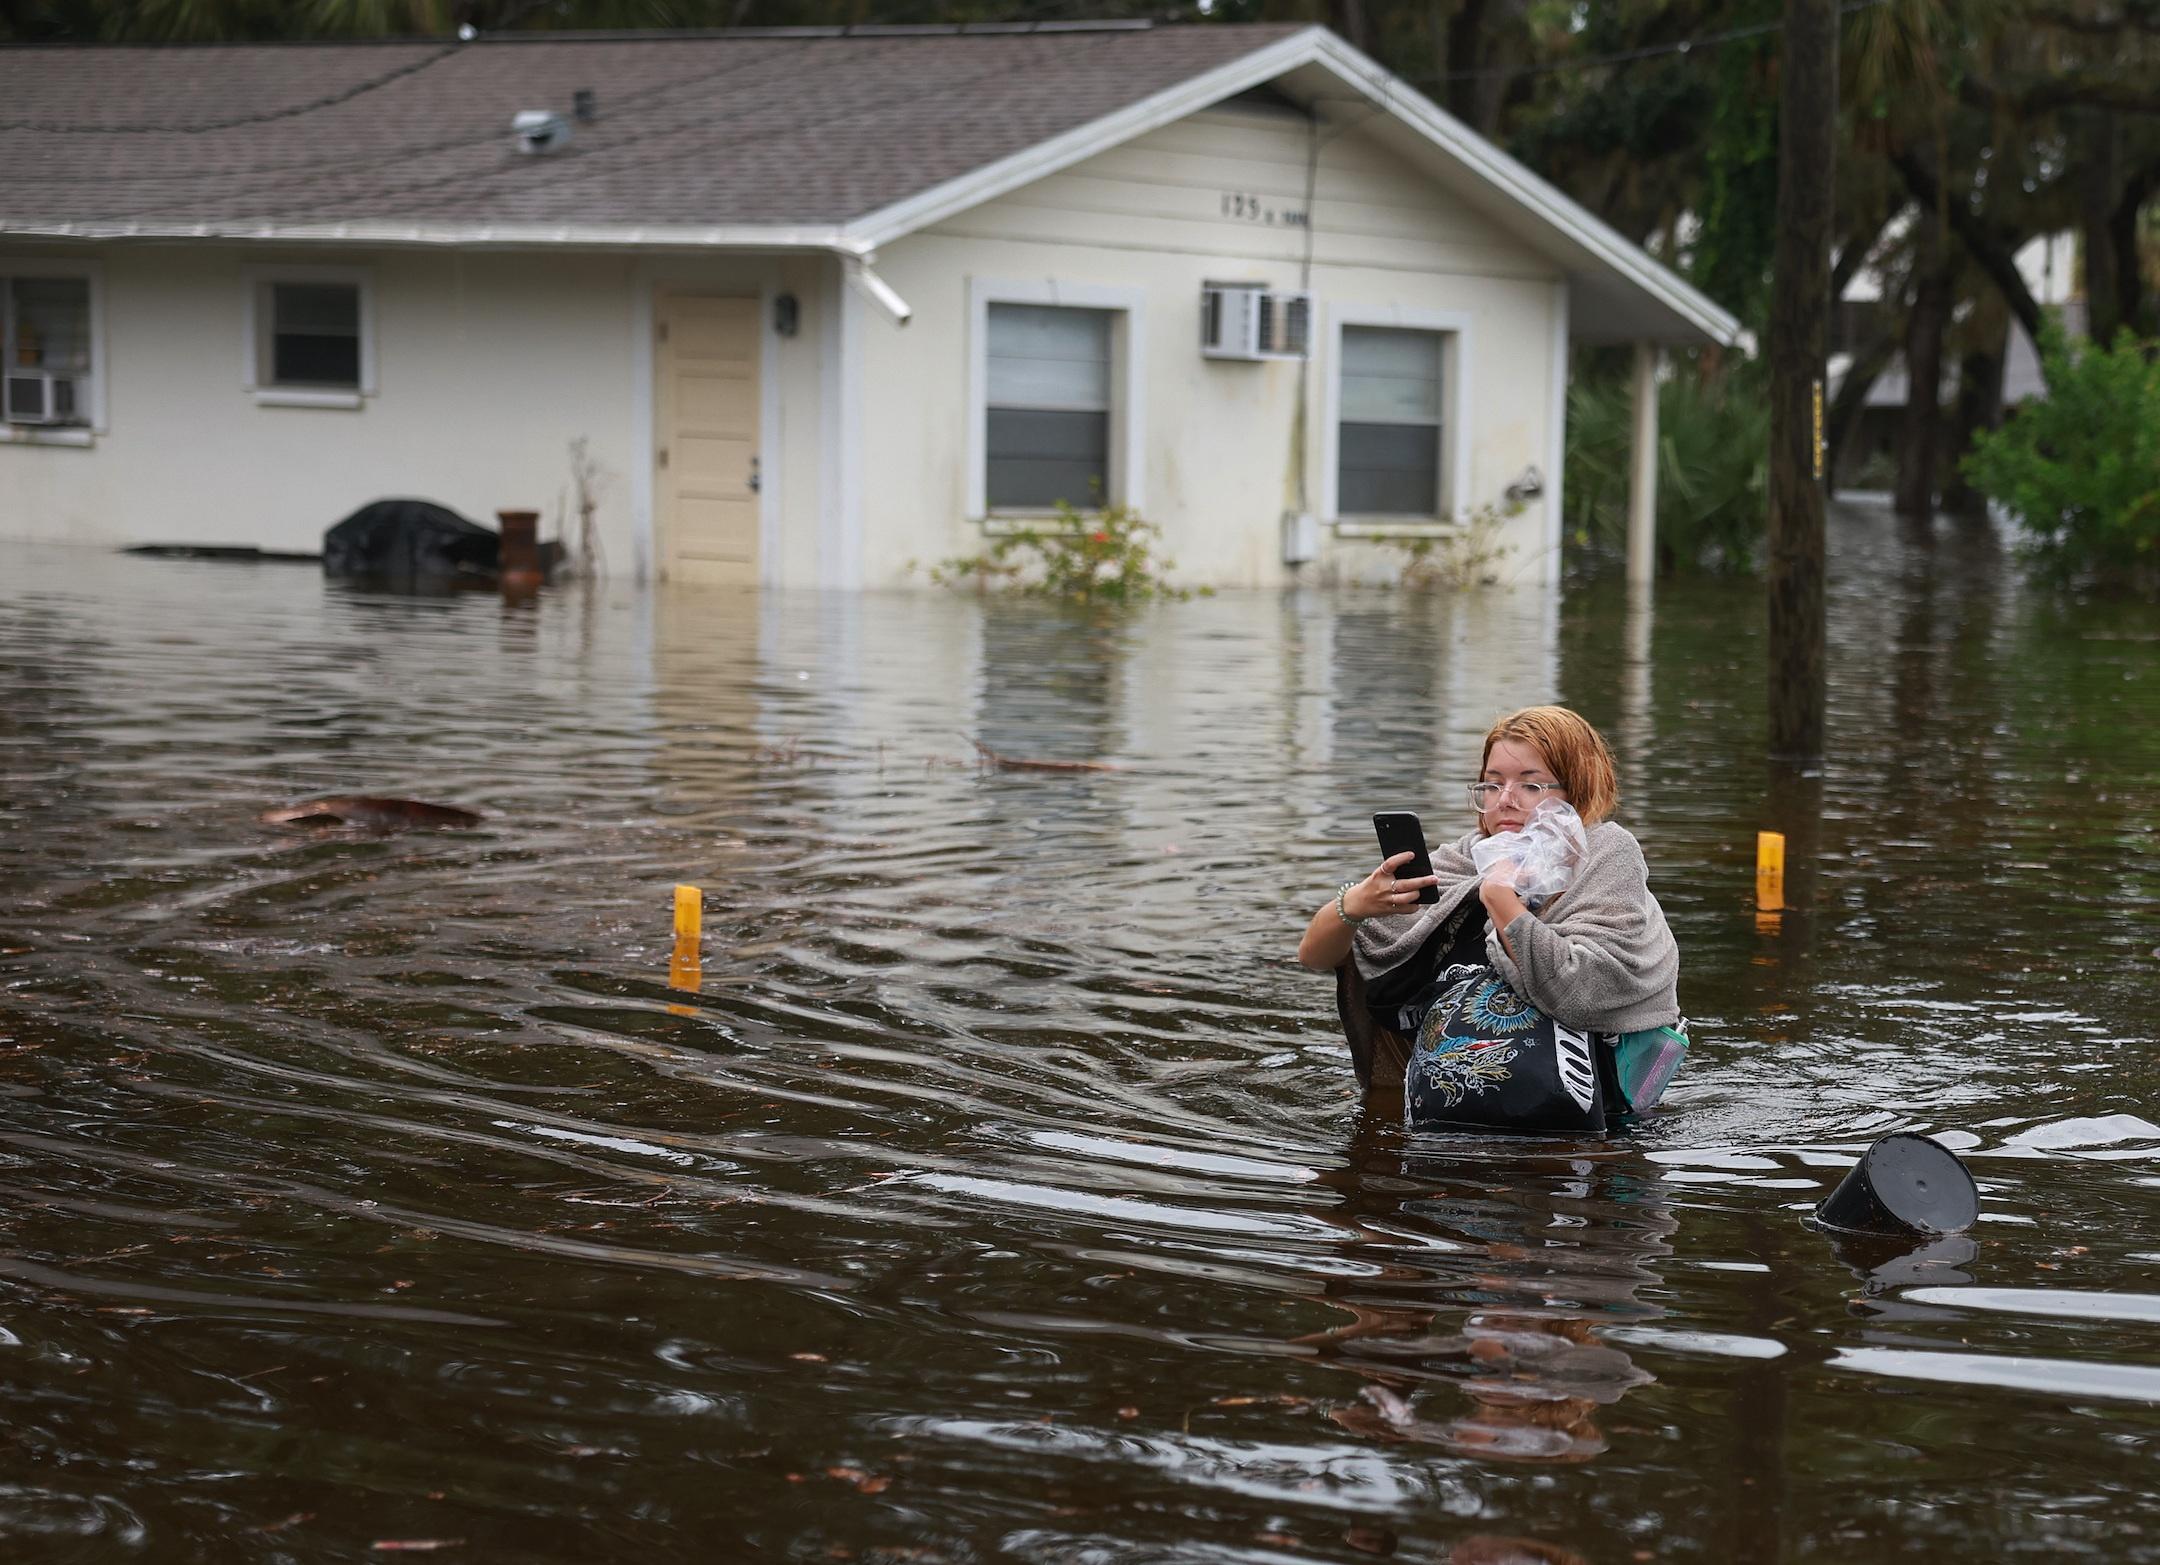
{"points": [[1048, 407], [308, 335], [1392, 410]]}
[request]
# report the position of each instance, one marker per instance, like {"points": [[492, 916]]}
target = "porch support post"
{"points": [[1642, 475], [839, 533]]}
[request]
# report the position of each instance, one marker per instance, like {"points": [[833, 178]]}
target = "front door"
{"points": [[706, 479]]}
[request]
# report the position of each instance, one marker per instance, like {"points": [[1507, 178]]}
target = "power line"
{"points": [[562, 177], [558, 176], [1626, 56], [264, 117], [661, 96]]}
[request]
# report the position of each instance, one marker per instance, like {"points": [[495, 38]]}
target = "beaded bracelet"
{"points": [[1342, 912]]}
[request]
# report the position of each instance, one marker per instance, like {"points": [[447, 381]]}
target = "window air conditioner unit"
{"points": [[40, 397], [1246, 321]]}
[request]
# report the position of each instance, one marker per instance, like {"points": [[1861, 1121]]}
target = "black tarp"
{"points": [[410, 540]]}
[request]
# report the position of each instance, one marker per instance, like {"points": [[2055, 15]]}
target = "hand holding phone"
{"points": [[1399, 832]]}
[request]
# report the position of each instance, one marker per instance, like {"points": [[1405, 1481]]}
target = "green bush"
{"points": [[1105, 556], [2080, 470], [1713, 466], [1455, 561]]}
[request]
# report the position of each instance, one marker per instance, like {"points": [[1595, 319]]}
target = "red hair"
{"points": [[1574, 752]]}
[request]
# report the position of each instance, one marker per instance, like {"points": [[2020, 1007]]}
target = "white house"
{"points": [[820, 304]]}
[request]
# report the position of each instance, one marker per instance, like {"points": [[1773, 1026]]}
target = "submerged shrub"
{"points": [[1713, 466], [1467, 556], [2080, 470], [1106, 556]]}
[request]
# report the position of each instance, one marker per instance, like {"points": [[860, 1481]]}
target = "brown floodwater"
{"points": [[1001, 1192]]}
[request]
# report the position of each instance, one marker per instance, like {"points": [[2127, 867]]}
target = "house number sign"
{"points": [[1252, 209]]}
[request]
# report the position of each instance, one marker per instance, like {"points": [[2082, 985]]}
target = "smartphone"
{"points": [[1399, 831]]}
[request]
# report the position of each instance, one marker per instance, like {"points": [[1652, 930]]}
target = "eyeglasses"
{"points": [[1486, 795]]}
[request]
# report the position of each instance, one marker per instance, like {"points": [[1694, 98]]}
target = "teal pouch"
{"points": [[1646, 1061]]}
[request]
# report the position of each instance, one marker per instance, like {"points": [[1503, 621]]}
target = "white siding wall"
{"points": [[1221, 461], [488, 365]]}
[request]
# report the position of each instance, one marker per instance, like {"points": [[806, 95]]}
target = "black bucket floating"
{"points": [[1904, 1184]]}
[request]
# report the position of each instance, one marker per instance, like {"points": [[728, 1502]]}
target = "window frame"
{"points": [[255, 283], [1128, 411], [92, 272], [1454, 329]]}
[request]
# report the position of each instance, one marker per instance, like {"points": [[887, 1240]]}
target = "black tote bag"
{"points": [[1486, 1059]]}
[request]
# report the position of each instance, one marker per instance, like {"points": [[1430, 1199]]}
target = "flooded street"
{"points": [[1002, 1192]]}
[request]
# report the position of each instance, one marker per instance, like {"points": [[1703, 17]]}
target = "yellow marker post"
{"points": [[1769, 871], [689, 914], [686, 968]]}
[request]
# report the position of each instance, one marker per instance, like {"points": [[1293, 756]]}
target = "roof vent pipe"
{"points": [[584, 106], [540, 130]]}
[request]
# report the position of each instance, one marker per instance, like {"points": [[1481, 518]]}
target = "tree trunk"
{"points": [[1852, 255], [2123, 233], [1920, 433], [1465, 52], [1799, 340], [1992, 250], [1979, 406], [1350, 22], [2099, 174]]}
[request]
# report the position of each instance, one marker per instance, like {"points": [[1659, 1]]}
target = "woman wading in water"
{"points": [[1596, 958]]}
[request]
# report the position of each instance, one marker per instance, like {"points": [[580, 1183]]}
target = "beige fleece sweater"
{"points": [[1599, 956]]}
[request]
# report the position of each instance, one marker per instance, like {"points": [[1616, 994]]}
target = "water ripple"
{"points": [[997, 1183]]}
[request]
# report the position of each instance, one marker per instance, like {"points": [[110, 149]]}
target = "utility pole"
{"points": [[1799, 345]]}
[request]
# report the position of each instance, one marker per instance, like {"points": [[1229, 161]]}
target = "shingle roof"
{"points": [[781, 129]]}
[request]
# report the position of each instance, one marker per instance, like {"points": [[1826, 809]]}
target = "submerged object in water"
{"points": [[370, 811], [417, 544], [1904, 1184]]}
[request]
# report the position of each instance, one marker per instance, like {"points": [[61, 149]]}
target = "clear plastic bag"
{"points": [[1545, 853]]}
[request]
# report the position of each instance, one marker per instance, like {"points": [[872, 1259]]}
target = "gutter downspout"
{"points": [[857, 266]]}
